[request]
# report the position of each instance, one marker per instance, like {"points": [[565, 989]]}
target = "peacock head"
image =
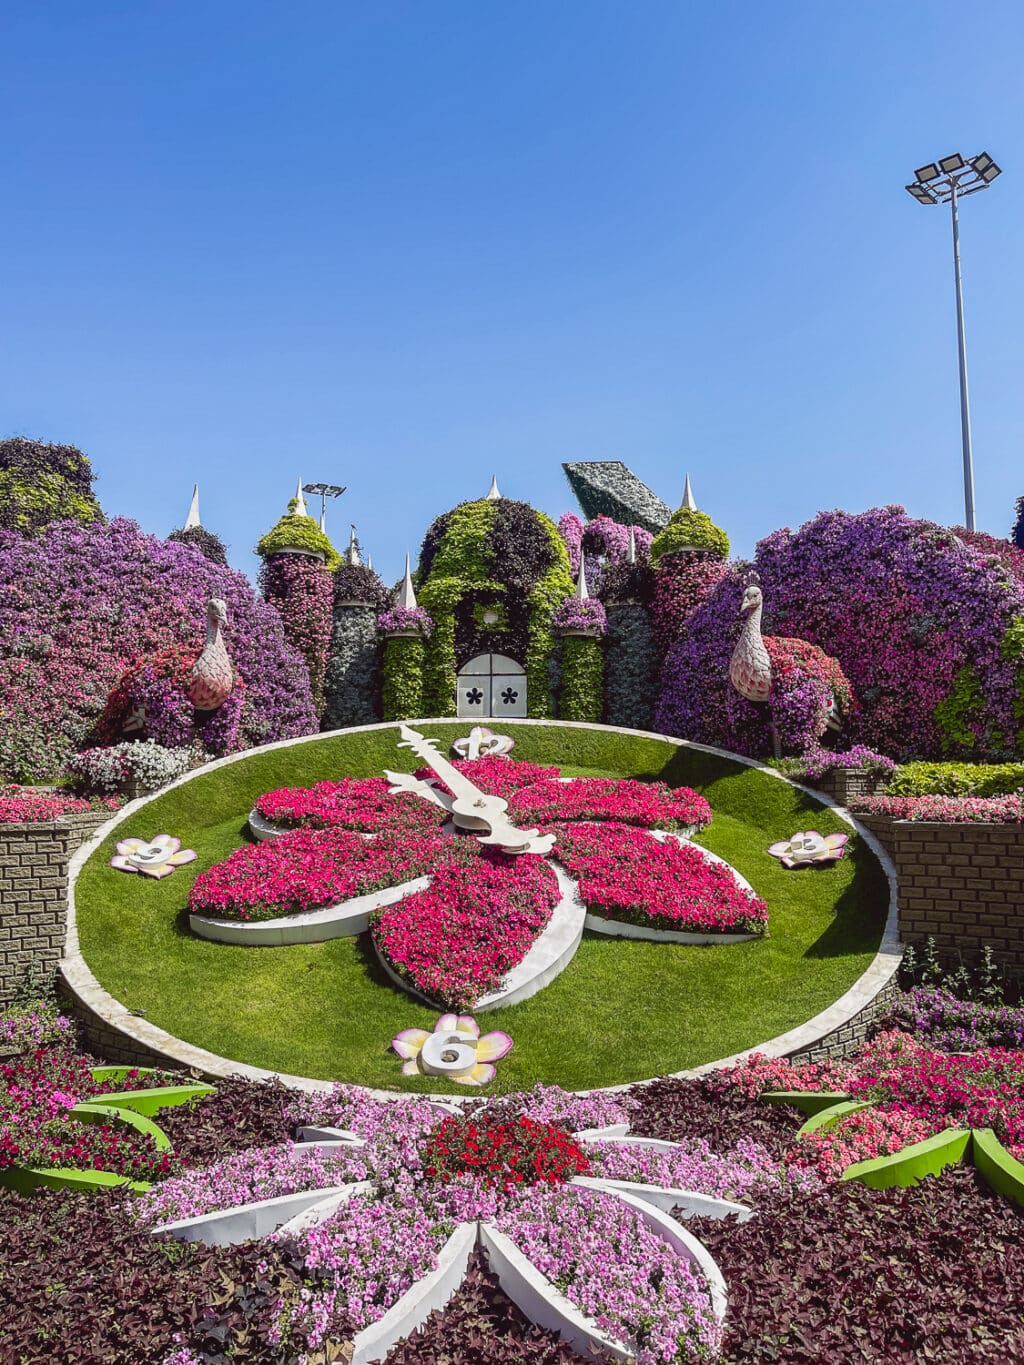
{"points": [[752, 597], [217, 611]]}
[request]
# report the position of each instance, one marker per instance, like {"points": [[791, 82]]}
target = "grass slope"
{"points": [[622, 1011]]}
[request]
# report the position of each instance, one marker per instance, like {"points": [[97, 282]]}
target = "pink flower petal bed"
{"points": [[626, 874], [311, 869], [458, 939], [360, 804], [652, 804]]}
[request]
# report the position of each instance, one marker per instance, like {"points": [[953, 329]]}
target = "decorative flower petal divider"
{"points": [[997, 1167], [129, 1107], [526, 1285]]}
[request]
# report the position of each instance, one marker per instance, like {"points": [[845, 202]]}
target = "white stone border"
{"points": [[551, 952], [80, 982], [346, 920], [249, 1222]]}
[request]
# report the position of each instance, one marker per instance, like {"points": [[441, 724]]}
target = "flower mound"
{"points": [[653, 804], [626, 874], [360, 804], [309, 870], [520, 1152], [458, 939]]}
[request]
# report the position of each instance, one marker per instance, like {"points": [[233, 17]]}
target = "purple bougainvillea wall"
{"points": [[302, 591], [79, 603], [929, 630]]}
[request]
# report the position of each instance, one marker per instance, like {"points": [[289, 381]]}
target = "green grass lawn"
{"points": [[623, 1010]]}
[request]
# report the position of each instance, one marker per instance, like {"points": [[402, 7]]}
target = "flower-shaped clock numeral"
{"points": [[156, 858], [454, 1050]]}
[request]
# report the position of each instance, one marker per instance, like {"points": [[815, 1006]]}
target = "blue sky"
{"points": [[401, 246]]}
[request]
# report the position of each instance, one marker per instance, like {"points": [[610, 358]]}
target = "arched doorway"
{"points": [[491, 685]]}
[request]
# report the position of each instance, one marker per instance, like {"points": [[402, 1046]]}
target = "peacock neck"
{"points": [[752, 629], [212, 632]]}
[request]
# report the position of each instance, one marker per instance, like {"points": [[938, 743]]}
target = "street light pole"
{"points": [[961, 341], [946, 182]]}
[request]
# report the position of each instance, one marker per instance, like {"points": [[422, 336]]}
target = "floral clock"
{"points": [[476, 878]]}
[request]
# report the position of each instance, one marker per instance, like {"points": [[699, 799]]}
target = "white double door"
{"points": [[492, 685]]}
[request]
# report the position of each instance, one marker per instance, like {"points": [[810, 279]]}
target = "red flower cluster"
{"points": [[626, 874], [653, 804], [361, 804], [495, 774], [37, 1094], [458, 939], [519, 1152], [310, 869]]}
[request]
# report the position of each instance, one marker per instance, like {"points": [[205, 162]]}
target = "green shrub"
{"points": [[402, 694], [956, 779], [40, 483], [690, 530], [582, 692], [297, 532]]}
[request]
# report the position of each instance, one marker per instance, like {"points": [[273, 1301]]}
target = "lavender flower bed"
{"points": [[32, 1026], [952, 1025], [259, 1173], [739, 1174], [605, 1260]]}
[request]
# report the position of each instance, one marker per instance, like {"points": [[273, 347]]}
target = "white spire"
{"points": [[192, 519], [323, 521], [369, 562], [407, 593], [581, 582], [689, 502], [300, 501], [631, 549], [493, 495], [352, 554]]}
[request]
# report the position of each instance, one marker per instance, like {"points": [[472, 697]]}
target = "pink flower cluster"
{"points": [[458, 939], [311, 869], [653, 804], [495, 774], [959, 810], [626, 874], [354, 803], [862, 1136], [21, 806]]}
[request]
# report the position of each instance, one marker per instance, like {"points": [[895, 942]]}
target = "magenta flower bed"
{"points": [[457, 940], [498, 776], [605, 1260], [627, 875], [653, 804], [958, 810], [18, 806], [360, 804], [311, 869]]}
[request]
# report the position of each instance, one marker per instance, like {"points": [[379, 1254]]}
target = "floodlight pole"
{"points": [[965, 405]]}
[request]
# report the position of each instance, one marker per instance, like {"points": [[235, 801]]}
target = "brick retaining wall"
{"points": [[33, 900], [961, 884], [842, 783], [845, 1040]]}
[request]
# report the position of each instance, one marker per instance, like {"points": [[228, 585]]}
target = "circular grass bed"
{"points": [[624, 1010]]}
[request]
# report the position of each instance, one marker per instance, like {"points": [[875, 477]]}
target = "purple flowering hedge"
{"points": [[929, 630], [80, 603]]}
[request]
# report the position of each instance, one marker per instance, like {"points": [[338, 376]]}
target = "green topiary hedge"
{"points": [[297, 532], [40, 483], [690, 529], [582, 692], [956, 779], [402, 693]]}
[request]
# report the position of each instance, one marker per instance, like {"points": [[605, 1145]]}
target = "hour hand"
{"points": [[406, 782]]}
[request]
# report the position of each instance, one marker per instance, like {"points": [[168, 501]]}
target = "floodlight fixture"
{"points": [[324, 491], [946, 182]]}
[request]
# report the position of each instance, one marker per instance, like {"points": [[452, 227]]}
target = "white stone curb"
{"points": [[538, 1299], [346, 920], [414, 1307], [665, 1197], [81, 983], [248, 1222]]}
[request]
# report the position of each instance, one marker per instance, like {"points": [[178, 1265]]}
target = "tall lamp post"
{"points": [[325, 490], [947, 181]]}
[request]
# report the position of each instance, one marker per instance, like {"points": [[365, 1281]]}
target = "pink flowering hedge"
{"points": [[653, 804], [457, 940], [361, 804], [18, 806], [310, 870], [956, 810], [625, 874]]}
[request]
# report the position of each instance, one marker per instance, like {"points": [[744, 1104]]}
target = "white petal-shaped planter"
{"points": [[315, 926], [691, 1202], [329, 1137], [247, 1222], [325, 1206], [539, 1301], [261, 828], [617, 928], [431, 1292], [552, 952], [612, 1130], [662, 1225]]}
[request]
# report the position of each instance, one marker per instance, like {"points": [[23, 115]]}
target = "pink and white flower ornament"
{"points": [[455, 1050], [807, 847], [152, 857], [482, 742]]}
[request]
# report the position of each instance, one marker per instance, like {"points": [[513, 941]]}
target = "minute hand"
{"points": [[458, 784]]}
